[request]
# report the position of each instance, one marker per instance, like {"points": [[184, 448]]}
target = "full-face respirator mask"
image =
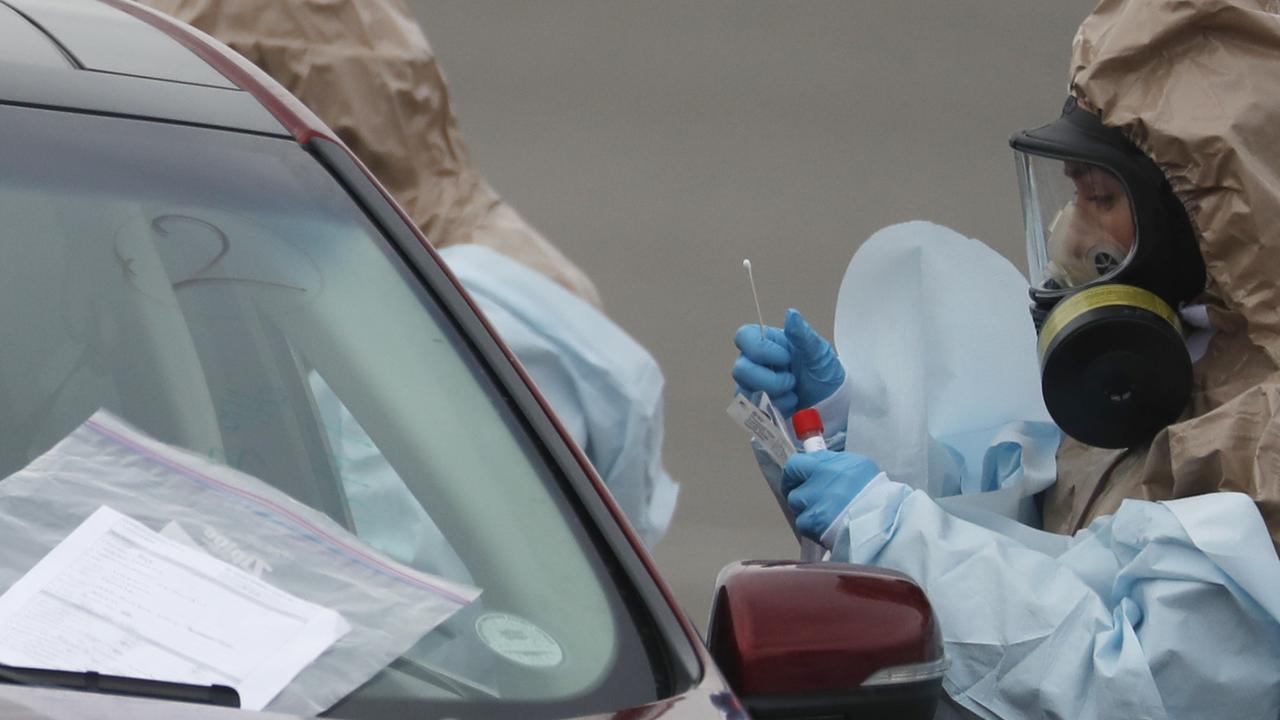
{"points": [[1111, 256]]}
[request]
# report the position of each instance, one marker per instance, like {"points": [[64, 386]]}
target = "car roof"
{"points": [[92, 57]]}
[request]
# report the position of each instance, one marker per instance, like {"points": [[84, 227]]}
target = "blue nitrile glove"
{"points": [[819, 486], [796, 366], [764, 364]]}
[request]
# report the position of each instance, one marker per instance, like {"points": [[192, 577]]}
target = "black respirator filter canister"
{"points": [[1114, 369]]}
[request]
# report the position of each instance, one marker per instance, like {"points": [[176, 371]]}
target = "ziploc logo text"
{"points": [[230, 551]]}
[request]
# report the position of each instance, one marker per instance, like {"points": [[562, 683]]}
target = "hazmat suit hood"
{"points": [[1196, 86], [365, 68]]}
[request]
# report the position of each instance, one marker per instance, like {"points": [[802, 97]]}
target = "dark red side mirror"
{"points": [[813, 639]]}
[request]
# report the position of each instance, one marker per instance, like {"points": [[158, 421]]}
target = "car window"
{"points": [[221, 293]]}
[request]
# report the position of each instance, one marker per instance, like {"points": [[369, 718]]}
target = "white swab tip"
{"points": [[746, 263]]}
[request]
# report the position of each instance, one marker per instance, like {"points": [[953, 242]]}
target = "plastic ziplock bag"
{"points": [[238, 519]]}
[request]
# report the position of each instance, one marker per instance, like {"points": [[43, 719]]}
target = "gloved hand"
{"points": [[796, 366], [819, 485]]}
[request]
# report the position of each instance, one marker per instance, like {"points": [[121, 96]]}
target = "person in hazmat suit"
{"points": [[1152, 206], [366, 69]]}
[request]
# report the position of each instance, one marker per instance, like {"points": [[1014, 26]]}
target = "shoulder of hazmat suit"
{"points": [[365, 68], [1196, 87]]}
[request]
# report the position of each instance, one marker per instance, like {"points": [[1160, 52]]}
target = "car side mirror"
{"points": [[801, 639]]}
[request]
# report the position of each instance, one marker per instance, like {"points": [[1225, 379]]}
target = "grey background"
{"points": [[660, 143]]}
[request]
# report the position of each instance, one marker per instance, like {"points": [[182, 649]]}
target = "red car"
{"points": [[186, 246]]}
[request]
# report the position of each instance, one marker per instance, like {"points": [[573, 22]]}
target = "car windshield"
{"points": [[220, 293]]}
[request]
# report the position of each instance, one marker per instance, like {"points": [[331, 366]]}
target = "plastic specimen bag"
{"points": [[240, 520]]}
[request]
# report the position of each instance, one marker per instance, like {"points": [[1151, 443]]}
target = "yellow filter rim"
{"points": [[1102, 296]]}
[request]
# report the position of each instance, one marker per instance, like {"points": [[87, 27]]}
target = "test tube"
{"points": [[807, 424]]}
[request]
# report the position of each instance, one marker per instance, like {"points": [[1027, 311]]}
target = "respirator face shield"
{"points": [[1079, 220], [1110, 256]]}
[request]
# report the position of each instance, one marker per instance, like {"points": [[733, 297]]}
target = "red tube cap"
{"points": [[806, 422]]}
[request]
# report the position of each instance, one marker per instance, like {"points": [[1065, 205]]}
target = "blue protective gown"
{"points": [[604, 386], [1164, 610]]}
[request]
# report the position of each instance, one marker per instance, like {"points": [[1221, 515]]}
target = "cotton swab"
{"points": [[746, 265]]}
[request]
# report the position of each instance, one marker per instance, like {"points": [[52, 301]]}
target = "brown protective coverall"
{"points": [[1196, 85], [365, 68]]}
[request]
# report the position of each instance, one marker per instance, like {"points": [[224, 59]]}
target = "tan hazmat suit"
{"points": [[365, 68], [1196, 85]]}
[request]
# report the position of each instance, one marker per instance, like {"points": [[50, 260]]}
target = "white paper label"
{"points": [[765, 424]]}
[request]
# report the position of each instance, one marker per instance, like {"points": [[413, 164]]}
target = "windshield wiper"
{"points": [[443, 679], [120, 685]]}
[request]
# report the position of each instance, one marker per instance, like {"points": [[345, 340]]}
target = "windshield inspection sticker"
{"points": [[519, 640]]}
